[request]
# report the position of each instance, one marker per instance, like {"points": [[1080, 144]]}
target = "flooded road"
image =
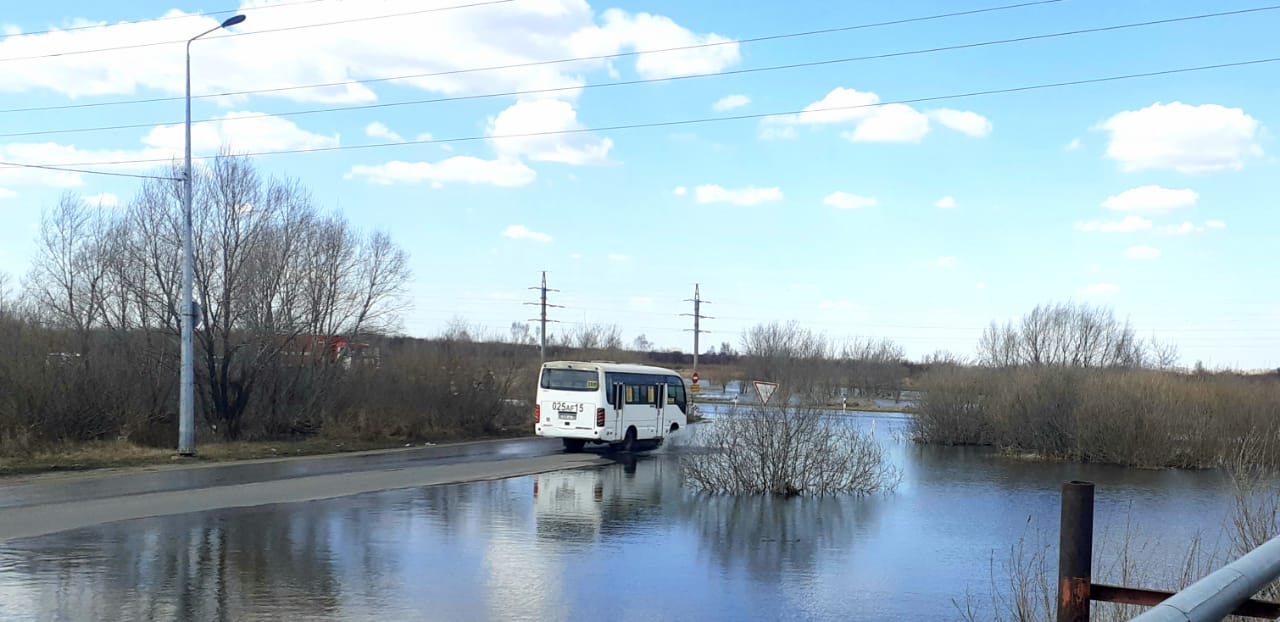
{"points": [[624, 541], [98, 486]]}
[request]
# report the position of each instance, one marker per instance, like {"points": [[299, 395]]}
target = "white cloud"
{"points": [[1187, 228], [533, 116], [945, 262], [521, 232], [892, 123], [643, 31], [980, 285], [1184, 138], [844, 200], [871, 120], [379, 130], [1151, 199], [947, 202], [240, 131], [458, 169], [841, 105], [6, 193], [1142, 252], [1127, 225], [618, 257], [963, 121], [680, 191], [749, 195], [442, 42], [1074, 145], [730, 102], [1099, 289], [104, 199]]}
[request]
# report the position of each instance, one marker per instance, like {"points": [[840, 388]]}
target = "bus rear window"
{"points": [[570, 379]]}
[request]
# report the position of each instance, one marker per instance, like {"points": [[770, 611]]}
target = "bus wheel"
{"points": [[574, 445], [629, 442]]}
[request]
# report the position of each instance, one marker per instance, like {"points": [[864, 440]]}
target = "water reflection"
{"points": [[555, 545]]}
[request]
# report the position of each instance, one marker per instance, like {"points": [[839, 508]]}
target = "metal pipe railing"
{"points": [[1223, 591], [1227, 591]]}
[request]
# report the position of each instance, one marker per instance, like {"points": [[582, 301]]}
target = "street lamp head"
{"points": [[232, 21]]}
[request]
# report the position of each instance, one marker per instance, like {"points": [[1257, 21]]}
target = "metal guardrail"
{"points": [[1224, 592]]}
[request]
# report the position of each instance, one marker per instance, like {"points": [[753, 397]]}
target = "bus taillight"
{"points": [[599, 417], [537, 413]]}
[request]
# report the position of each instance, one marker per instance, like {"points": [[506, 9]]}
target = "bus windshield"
{"points": [[570, 379]]}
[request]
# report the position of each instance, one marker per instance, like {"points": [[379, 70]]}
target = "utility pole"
{"points": [[697, 325], [543, 320]]}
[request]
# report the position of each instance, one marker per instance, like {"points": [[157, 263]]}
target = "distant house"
{"points": [[302, 350]]}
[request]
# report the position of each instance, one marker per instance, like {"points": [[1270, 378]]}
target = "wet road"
{"points": [[46, 507], [116, 484]]}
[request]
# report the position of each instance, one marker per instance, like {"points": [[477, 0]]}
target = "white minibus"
{"points": [[630, 407]]}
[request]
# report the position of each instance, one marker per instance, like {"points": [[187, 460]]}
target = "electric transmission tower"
{"points": [[697, 321], [543, 319]]}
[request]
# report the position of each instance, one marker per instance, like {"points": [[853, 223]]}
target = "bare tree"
{"points": [[278, 283], [1068, 335], [458, 329], [872, 366], [522, 334], [788, 354], [68, 275], [641, 344], [596, 337]]}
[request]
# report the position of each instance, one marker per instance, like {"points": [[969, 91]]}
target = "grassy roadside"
{"points": [[123, 454]]}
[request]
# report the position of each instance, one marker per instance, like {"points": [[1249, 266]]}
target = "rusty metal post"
{"points": [[1075, 552]]}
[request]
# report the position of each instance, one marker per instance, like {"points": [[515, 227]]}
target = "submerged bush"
{"points": [[787, 451]]}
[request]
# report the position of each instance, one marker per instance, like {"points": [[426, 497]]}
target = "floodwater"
{"points": [[622, 542]]}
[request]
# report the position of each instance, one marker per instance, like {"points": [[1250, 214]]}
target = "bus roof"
{"points": [[610, 366]]}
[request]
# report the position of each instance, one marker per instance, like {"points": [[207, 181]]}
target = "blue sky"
{"points": [[1155, 196]]}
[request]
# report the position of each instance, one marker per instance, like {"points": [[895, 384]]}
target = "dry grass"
{"points": [[1134, 418]]}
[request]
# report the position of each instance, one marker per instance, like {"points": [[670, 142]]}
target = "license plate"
{"points": [[568, 415], [566, 407]]}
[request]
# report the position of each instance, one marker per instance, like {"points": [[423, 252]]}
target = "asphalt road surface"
{"points": [[41, 505]]}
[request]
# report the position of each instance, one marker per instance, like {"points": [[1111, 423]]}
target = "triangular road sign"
{"points": [[764, 390]]}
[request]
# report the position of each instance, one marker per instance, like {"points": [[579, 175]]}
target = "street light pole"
{"points": [[187, 315]]}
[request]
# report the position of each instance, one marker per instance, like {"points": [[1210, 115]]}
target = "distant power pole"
{"points": [[543, 320], [697, 318]]}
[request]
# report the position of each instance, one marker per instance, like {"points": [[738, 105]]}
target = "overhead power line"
{"points": [[706, 120], [732, 72], [135, 22], [616, 55], [257, 32], [64, 169]]}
